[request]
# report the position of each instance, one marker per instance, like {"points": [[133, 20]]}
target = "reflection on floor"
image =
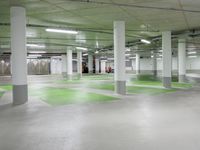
{"points": [[87, 117]]}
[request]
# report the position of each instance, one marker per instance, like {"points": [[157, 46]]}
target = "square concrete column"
{"points": [[119, 57], [19, 55], [132, 64], [90, 63], [103, 66], [64, 65], [154, 59], [96, 66], [79, 64], [137, 64], [182, 60], [167, 59], [69, 65]]}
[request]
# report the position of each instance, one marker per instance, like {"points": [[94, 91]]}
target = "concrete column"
{"points": [[137, 64], [64, 65], [167, 59], [154, 64], [90, 63], [182, 60], [96, 66], [19, 55], [103, 66], [79, 64], [119, 57], [132, 64], [69, 65]]}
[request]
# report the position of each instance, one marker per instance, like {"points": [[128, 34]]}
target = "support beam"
{"points": [[90, 63], [19, 55], [103, 66], [167, 59], [64, 65], [182, 60], [119, 57], [137, 63], [154, 59], [79, 64], [132, 64], [96, 65], [69, 65]]}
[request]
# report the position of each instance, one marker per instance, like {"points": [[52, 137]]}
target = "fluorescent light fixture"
{"points": [[34, 55], [82, 48], [39, 52], [31, 57], [192, 52], [127, 54], [131, 57], [85, 54], [152, 56], [62, 31], [30, 34], [97, 52], [128, 49], [192, 56], [35, 45], [145, 41], [110, 58]]}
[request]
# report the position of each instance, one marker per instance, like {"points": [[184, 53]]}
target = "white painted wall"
{"points": [[147, 64], [56, 65]]}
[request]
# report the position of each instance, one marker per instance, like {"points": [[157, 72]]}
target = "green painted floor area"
{"points": [[6, 87], [134, 89], [148, 90], [159, 83], [98, 77], [147, 77], [63, 96], [102, 86], [1, 94], [150, 80]]}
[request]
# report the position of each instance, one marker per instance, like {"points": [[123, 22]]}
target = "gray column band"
{"points": [[64, 74], [155, 72], [181, 78], [167, 82], [79, 75], [120, 87], [69, 77], [20, 94]]}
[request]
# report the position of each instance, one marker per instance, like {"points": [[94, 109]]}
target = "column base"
{"points": [[64, 74], [69, 76], [79, 76], [167, 82], [182, 79], [137, 72], [155, 73], [20, 94], [120, 87]]}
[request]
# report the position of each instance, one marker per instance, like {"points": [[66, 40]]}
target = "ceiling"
{"points": [[93, 19]]}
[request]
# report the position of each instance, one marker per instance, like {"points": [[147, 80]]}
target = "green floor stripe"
{"points": [[63, 96]]}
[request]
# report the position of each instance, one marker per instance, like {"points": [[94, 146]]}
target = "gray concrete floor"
{"points": [[137, 122]]}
